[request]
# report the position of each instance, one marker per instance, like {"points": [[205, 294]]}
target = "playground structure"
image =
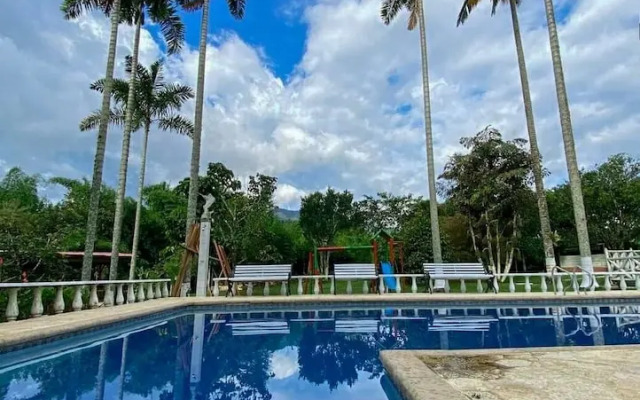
{"points": [[199, 242], [395, 264]]}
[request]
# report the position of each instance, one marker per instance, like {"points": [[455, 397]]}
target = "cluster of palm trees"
{"points": [[389, 11], [146, 99], [143, 100]]}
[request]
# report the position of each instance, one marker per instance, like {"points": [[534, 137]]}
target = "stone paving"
{"points": [[611, 372], [46, 327]]}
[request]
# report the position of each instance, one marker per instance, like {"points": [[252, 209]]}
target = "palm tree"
{"points": [[163, 13], [536, 165], [71, 10], [236, 8], [569, 145], [389, 10], [156, 102]]}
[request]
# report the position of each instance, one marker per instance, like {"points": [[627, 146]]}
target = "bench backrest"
{"points": [[351, 270], [454, 269], [276, 271]]}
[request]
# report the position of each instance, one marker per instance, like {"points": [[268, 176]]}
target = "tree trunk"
{"points": [[100, 378], [136, 228], [498, 250], [123, 367], [492, 263], [536, 159], [569, 146], [197, 125], [124, 157], [473, 241], [433, 200], [98, 162]]}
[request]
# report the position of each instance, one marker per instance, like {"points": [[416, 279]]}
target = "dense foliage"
{"points": [[489, 213]]}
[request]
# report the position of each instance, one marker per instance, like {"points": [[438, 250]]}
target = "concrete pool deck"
{"points": [[46, 328], [562, 373]]}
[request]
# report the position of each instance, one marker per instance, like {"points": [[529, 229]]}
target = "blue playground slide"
{"points": [[389, 282]]}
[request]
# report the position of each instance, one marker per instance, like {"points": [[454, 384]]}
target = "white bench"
{"points": [[457, 271], [260, 273], [351, 272], [462, 324], [259, 328]]}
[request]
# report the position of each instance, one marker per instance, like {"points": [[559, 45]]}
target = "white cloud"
{"points": [[284, 362], [350, 116]]}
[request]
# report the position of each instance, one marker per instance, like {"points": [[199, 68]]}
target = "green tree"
{"points": [[389, 10], [71, 10], [156, 102], [488, 185], [569, 145], [536, 164], [323, 215]]}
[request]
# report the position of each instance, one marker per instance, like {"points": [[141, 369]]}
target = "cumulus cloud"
{"points": [[350, 115]]}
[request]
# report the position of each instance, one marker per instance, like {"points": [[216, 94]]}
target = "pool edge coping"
{"points": [[416, 381]]}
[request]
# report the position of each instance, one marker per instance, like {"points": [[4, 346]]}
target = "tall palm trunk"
{"points": [[197, 125], [433, 201], [543, 211], [569, 146], [136, 228], [124, 158], [98, 162]]}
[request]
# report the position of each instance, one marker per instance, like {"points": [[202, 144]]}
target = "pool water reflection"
{"points": [[327, 354]]}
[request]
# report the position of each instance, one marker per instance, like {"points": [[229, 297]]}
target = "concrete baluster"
{"points": [[250, 289], [398, 285], [527, 284], [12, 306], [559, 284], [158, 291], [512, 286], [543, 284], [108, 296], [266, 291], [141, 296], [623, 283], [283, 288], [365, 287], [349, 288], [36, 305], [316, 286], [165, 289], [58, 304], [607, 283], [131, 294], [150, 294], [381, 286], [300, 288], [414, 285], [119, 294], [216, 288], [93, 297], [76, 305], [479, 286], [463, 286]]}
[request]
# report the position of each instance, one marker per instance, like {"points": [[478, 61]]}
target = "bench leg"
{"points": [[428, 288], [229, 289]]}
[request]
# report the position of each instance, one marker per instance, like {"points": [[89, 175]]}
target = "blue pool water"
{"points": [[288, 354]]}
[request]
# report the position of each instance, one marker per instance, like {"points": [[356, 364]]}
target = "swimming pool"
{"points": [[329, 353]]}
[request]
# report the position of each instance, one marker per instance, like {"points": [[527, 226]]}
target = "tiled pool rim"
{"points": [[31, 332]]}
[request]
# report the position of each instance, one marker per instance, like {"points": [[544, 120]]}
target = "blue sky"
{"points": [[321, 93]]}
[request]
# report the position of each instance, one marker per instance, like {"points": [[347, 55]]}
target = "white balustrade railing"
{"points": [[156, 288], [540, 282]]}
